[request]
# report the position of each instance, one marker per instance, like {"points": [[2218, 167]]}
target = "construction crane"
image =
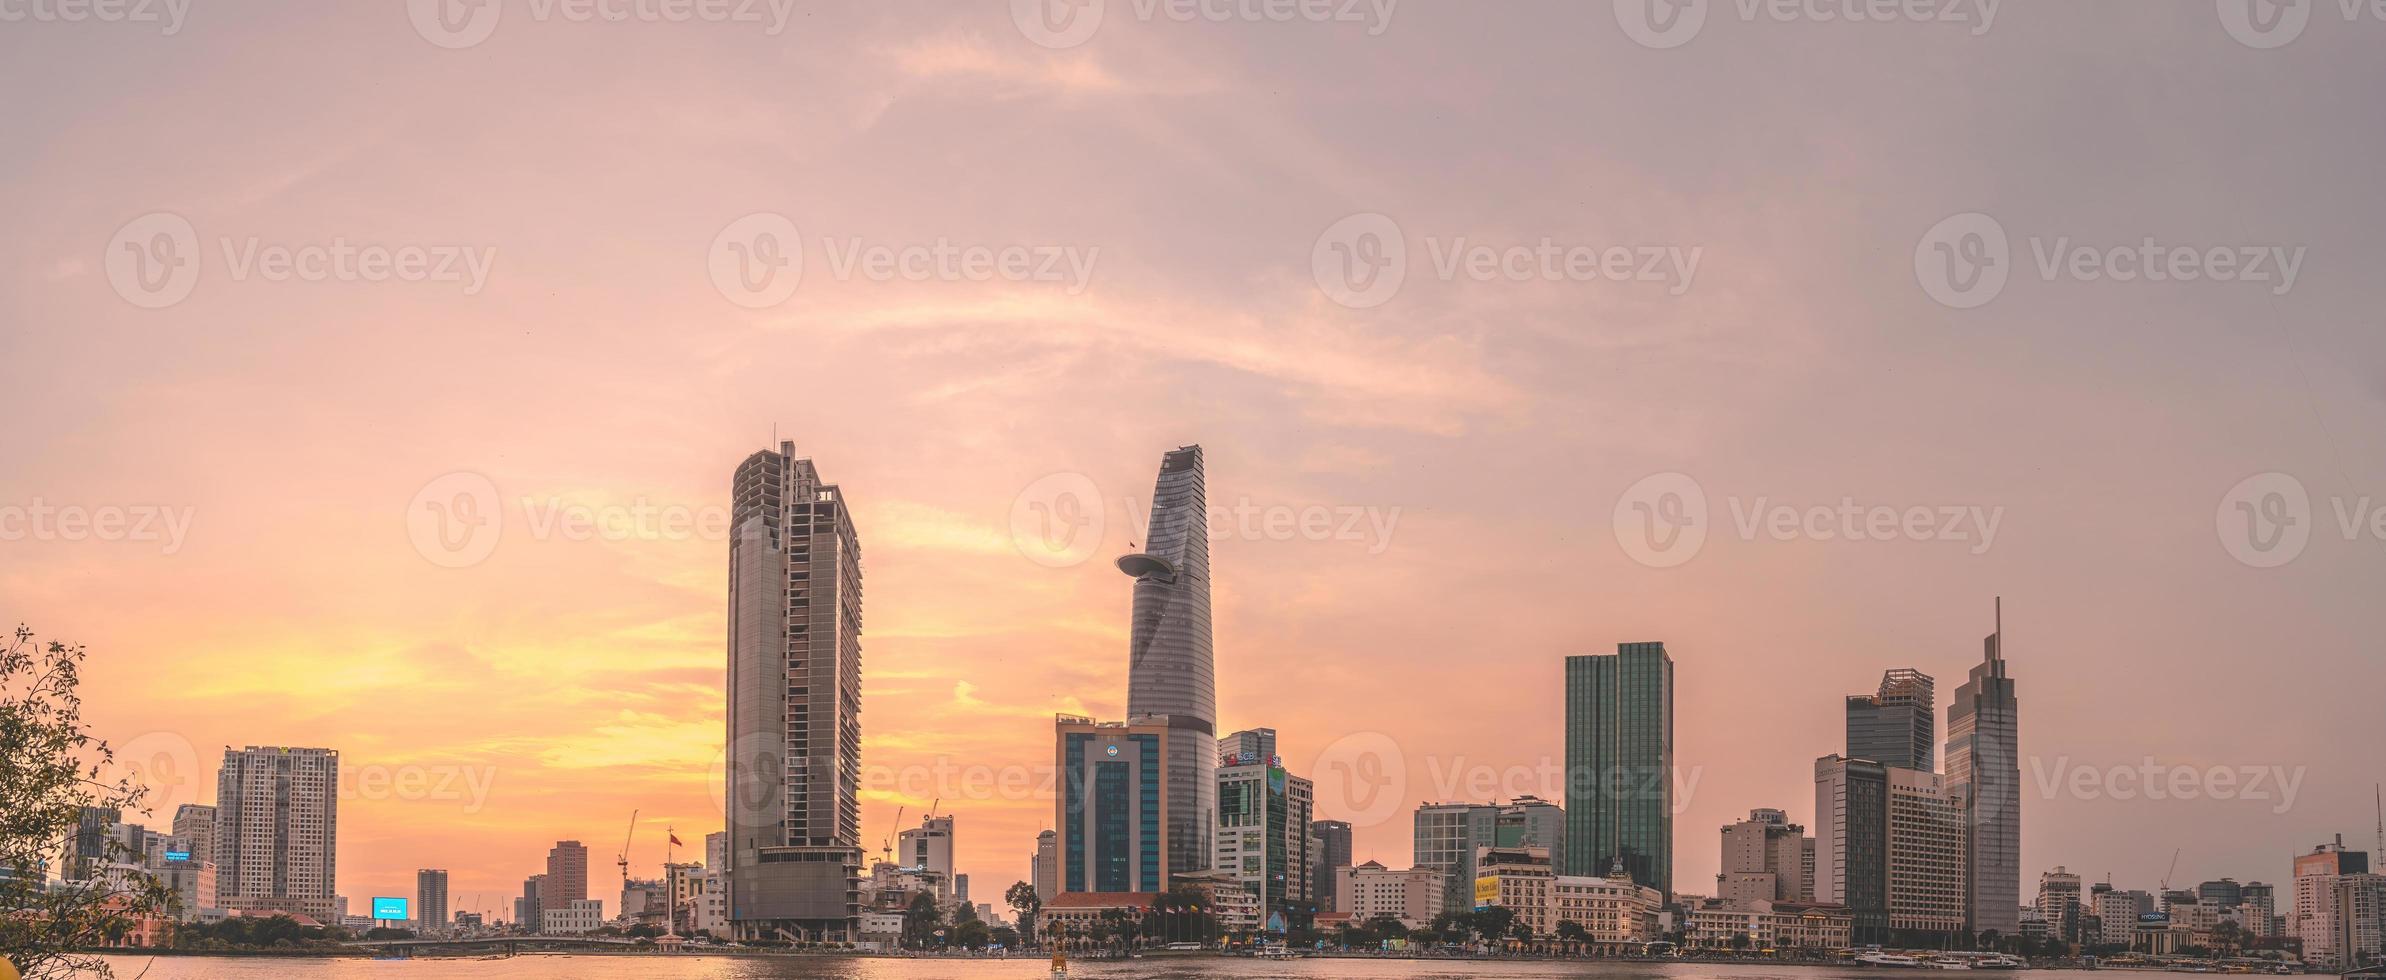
{"points": [[2166, 876], [623, 859], [886, 851]]}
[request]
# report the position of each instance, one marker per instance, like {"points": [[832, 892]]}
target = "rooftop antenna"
{"points": [[2378, 798]]}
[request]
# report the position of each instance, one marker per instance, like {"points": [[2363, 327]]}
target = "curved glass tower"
{"points": [[1171, 679]]}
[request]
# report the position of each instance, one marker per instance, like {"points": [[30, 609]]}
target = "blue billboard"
{"points": [[390, 908]]}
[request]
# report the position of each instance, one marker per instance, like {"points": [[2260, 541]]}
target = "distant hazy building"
{"points": [[1262, 839], [277, 831], [577, 917], [1619, 764], [1113, 832], [2059, 904], [1984, 779], [1765, 858], [1045, 866], [795, 687], [1333, 855], [2257, 905], [1897, 726], [195, 822], [2117, 914], [2320, 917], [530, 909], [430, 899], [1447, 837], [1851, 842], [89, 850], [567, 876], [2225, 893], [1530, 821]]}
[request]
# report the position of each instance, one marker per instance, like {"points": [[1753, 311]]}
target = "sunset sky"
{"points": [[1470, 436]]}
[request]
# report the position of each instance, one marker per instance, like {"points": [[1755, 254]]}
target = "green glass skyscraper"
{"points": [[1620, 764]]}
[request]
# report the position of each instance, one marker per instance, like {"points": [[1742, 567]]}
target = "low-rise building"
{"points": [[1074, 914], [1715, 923], [1516, 878], [577, 917], [1614, 910], [1413, 895]]}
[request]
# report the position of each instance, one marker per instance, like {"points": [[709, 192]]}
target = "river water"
{"points": [[562, 967]]}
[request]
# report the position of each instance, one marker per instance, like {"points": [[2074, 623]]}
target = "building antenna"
{"points": [[2378, 796]]}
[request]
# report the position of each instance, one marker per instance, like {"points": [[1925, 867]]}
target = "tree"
{"points": [[971, 934], [922, 920], [50, 777], [1492, 923], [1022, 899], [1573, 932], [1005, 937]]}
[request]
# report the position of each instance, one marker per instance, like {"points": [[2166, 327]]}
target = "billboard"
{"points": [[390, 908], [1487, 891]]}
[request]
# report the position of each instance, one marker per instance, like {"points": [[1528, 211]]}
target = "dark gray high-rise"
{"points": [[1171, 672], [1984, 778], [795, 688], [1620, 764], [1333, 854], [1897, 727]]}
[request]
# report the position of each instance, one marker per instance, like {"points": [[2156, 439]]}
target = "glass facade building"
{"points": [[1171, 675], [1620, 764], [1897, 727], [1984, 777], [1111, 804]]}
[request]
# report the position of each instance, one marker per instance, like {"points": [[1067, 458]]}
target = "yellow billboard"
{"points": [[1487, 891]]}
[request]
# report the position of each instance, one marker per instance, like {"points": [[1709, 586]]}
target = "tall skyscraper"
{"points": [[567, 876], [1620, 764], [1333, 855], [1171, 679], [1851, 841], [1113, 791], [1045, 866], [1984, 779], [277, 830], [1263, 839], [1897, 727], [430, 899], [795, 685]]}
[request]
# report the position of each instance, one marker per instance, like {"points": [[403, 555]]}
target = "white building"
{"points": [[578, 917], [929, 848], [1413, 896], [1614, 910], [277, 831]]}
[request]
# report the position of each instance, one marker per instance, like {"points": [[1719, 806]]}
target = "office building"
{"points": [[929, 848], [430, 900], [1984, 778], [2225, 893], [566, 878], [2117, 914], [1765, 858], [1619, 764], [2257, 908], [795, 685], [195, 822], [1045, 866], [2059, 904], [577, 917], [1171, 675], [1413, 895], [2319, 918], [1716, 924], [1262, 839], [1517, 879], [1113, 792], [1333, 855], [1530, 821], [191, 882], [1615, 911], [530, 909], [1851, 842], [1447, 837], [1926, 861], [1897, 726], [1247, 747], [90, 851], [277, 831]]}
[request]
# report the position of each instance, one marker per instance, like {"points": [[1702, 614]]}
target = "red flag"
{"points": [[675, 841]]}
